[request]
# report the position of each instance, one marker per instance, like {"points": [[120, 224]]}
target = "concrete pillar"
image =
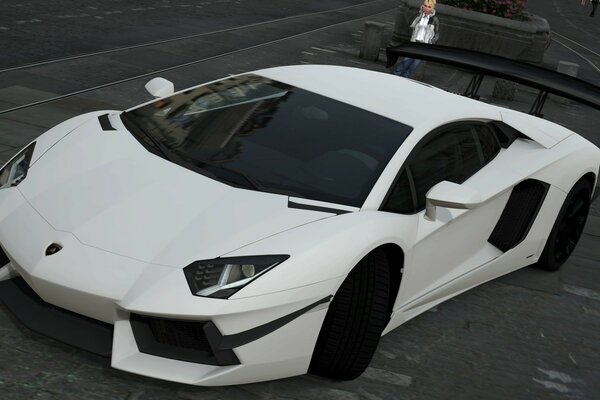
{"points": [[371, 41], [568, 68], [504, 90]]}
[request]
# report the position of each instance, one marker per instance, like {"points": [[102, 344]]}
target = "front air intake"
{"points": [[186, 334], [180, 340]]}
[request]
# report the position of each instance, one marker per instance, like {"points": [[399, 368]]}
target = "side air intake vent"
{"points": [[3, 258], [523, 206]]}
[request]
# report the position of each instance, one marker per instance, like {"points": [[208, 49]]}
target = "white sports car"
{"points": [[279, 222]]}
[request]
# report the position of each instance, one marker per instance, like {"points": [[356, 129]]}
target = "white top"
{"points": [[422, 28]]}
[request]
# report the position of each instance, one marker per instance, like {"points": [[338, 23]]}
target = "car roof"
{"points": [[404, 100]]}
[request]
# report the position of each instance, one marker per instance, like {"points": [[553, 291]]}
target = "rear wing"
{"points": [[482, 64]]}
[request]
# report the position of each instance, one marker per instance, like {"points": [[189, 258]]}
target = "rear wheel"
{"points": [[356, 317], [568, 227]]}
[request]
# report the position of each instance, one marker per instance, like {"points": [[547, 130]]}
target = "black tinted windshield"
{"points": [[269, 136]]}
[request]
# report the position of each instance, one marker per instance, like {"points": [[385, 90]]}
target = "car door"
{"points": [[455, 243]]}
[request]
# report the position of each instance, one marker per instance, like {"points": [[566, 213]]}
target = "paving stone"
{"points": [[535, 279], [588, 247], [40, 83], [16, 95], [592, 226], [16, 135], [581, 271]]}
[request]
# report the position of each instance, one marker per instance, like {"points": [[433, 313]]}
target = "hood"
{"points": [[105, 188]]}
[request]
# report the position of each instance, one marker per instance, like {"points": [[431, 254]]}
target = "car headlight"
{"points": [[222, 277], [15, 171]]}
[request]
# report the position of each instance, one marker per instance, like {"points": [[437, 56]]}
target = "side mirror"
{"points": [[451, 195], [160, 87]]}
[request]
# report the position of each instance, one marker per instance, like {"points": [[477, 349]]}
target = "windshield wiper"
{"points": [[132, 125], [254, 183]]}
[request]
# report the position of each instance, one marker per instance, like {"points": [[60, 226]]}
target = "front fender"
{"points": [[49, 138], [325, 249]]}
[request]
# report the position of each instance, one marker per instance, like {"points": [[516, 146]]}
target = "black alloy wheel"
{"points": [[356, 317], [568, 227]]}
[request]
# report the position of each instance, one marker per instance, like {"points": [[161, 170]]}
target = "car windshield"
{"points": [[254, 132]]}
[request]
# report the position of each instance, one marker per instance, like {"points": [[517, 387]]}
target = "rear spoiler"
{"points": [[481, 64]]}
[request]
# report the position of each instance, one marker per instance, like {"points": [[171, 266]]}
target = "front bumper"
{"points": [[144, 315], [57, 323]]}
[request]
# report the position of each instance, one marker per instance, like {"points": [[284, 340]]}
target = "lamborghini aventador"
{"points": [[279, 222]]}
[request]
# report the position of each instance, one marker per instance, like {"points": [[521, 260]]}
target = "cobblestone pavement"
{"points": [[527, 335]]}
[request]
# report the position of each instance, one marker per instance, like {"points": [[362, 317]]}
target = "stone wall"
{"points": [[518, 40]]}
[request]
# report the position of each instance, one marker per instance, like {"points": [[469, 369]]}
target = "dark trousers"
{"points": [[594, 6]]}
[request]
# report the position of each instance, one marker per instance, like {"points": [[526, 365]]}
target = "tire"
{"points": [[356, 317], [567, 228]]}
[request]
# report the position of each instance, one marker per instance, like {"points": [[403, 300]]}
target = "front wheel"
{"points": [[568, 227], [356, 317]]}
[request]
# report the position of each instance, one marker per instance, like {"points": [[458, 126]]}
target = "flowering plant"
{"points": [[512, 9]]}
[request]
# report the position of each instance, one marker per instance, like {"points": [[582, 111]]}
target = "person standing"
{"points": [[425, 29]]}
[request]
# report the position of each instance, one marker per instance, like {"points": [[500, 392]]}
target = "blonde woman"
{"points": [[425, 29]]}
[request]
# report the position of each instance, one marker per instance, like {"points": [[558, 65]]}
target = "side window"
{"points": [[452, 155], [489, 143], [401, 198], [506, 134]]}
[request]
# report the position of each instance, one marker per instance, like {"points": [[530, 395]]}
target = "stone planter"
{"points": [[518, 40]]}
